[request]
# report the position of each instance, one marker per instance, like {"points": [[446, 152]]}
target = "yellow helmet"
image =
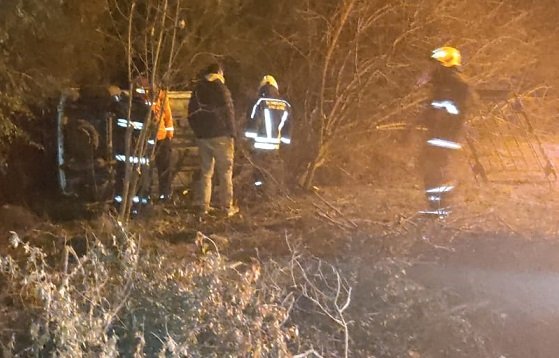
{"points": [[447, 56], [269, 79]]}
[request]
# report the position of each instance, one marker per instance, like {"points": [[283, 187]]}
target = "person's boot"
{"points": [[226, 211], [436, 206], [232, 210]]}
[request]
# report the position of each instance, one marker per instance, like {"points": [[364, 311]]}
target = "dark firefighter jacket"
{"points": [[210, 110], [138, 114], [448, 104], [269, 122]]}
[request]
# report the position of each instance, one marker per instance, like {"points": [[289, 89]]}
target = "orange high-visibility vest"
{"points": [[165, 119]]}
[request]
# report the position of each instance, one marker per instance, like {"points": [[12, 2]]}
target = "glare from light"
{"points": [[437, 142], [135, 160], [449, 106], [121, 122], [440, 189]]}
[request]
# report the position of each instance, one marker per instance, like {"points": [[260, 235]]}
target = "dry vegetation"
{"points": [[325, 276], [117, 294]]}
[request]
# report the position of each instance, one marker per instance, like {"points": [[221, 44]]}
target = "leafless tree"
{"points": [[164, 40], [151, 43], [352, 64]]}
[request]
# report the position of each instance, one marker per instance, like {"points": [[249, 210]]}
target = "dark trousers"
{"points": [[268, 163], [141, 197], [433, 163], [163, 152]]}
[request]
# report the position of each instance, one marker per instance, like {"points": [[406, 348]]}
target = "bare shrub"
{"points": [[106, 304], [112, 301], [372, 309], [72, 304], [210, 307]]}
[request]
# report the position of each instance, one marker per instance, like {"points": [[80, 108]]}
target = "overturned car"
{"points": [[92, 142]]}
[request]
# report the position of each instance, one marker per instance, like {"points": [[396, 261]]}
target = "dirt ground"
{"points": [[513, 286], [494, 258]]}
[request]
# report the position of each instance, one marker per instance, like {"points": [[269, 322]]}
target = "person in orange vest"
{"points": [[163, 148]]}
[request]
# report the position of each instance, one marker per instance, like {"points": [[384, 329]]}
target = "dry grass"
{"points": [[119, 298]]}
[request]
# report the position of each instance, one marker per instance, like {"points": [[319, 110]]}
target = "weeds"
{"points": [[72, 303], [115, 300], [112, 302]]}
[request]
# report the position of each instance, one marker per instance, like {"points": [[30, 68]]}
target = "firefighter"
{"points": [[164, 121], [138, 113], [268, 127], [444, 120]]}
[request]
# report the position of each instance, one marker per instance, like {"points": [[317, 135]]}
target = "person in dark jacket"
{"points": [[138, 112], [212, 119], [444, 120], [268, 126]]}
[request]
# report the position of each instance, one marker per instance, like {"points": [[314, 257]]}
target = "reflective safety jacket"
{"points": [[448, 105], [139, 111], [269, 123], [165, 118]]}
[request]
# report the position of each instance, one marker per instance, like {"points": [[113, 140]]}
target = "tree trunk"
{"points": [[307, 178]]}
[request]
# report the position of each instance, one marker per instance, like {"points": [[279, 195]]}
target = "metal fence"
{"points": [[504, 144]]}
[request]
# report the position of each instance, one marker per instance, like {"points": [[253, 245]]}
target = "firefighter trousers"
{"points": [[268, 170], [433, 163]]}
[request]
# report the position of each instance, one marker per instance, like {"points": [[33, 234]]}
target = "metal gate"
{"points": [[504, 145]]}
